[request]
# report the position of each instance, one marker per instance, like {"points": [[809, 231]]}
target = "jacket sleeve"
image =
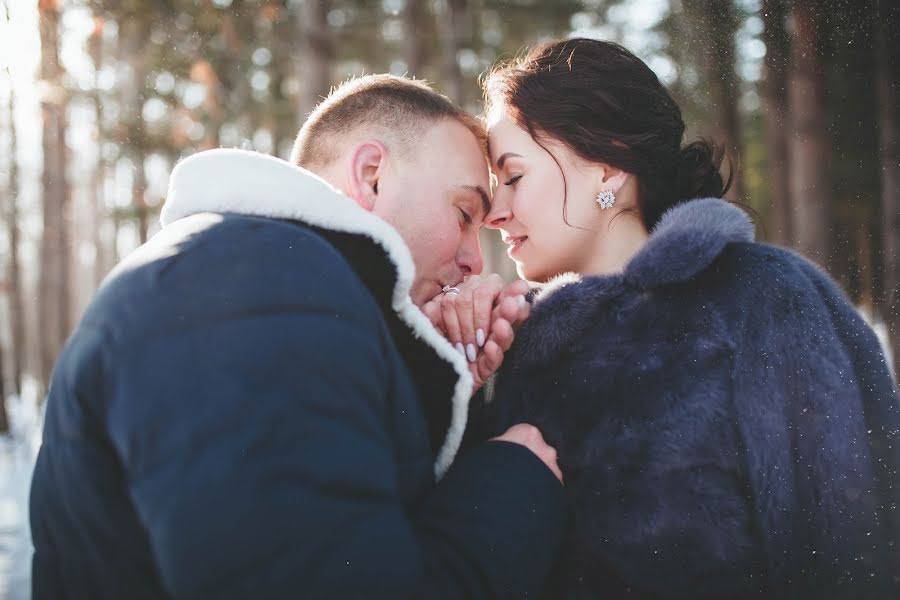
{"points": [[880, 403], [260, 465], [815, 410]]}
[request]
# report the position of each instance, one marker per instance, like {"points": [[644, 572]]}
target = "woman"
{"points": [[726, 423]]}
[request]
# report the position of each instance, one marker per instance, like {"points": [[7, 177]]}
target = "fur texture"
{"points": [[726, 422]]}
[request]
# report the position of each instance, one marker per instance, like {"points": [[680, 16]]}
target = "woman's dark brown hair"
{"points": [[608, 106]]}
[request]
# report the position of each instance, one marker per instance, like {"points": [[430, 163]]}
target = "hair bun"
{"points": [[699, 173]]}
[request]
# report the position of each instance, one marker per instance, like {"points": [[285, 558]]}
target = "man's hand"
{"points": [[530, 437]]}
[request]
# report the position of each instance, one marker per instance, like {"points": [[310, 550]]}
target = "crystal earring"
{"points": [[606, 199]]}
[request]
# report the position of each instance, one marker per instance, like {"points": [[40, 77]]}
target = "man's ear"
{"points": [[367, 164]]}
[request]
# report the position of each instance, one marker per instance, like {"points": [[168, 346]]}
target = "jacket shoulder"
{"points": [[211, 267], [758, 275]]}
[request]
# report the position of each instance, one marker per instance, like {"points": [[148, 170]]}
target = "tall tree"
{"points": [[14, 279], [97, 201], [775, 101], [54, 293], [132, 52], [11, 221], [9, 200], [454, 19], [853, 169], [318, 54], [808, 148], [4, 418], [281, 111], [414, 51], [888, 62], [716, 22]]}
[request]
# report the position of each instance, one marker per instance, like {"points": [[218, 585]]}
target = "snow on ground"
{"points": [[17, 455]]}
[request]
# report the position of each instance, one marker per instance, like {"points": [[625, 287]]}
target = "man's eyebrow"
{"points": [[477, 189], [504, 156]]}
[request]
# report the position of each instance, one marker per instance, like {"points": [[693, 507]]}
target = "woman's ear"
{"points": [[367, 164], [612, 178]]}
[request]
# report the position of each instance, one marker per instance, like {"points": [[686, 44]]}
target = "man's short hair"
{"points": [[398, 110]]}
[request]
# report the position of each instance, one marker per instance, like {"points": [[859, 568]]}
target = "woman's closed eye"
{"points": [[512, 180], [467, 218]]}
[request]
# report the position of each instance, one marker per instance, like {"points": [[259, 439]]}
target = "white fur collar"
{"points": [[249, 183]]}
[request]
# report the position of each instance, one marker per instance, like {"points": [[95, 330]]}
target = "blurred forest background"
{"points": [[99, 99]]}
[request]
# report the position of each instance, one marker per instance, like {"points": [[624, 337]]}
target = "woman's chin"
{"points": [[530, 273], [520, 270]]}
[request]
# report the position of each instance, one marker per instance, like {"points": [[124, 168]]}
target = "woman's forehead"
{"points": [[506, 137]]}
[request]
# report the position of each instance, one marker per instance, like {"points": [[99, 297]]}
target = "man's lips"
{"points": [[452, 283]]}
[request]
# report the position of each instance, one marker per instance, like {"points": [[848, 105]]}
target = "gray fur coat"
{"points": [[726, 422]]}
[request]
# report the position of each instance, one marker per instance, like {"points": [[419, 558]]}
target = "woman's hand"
{"points": [[481, 320]]}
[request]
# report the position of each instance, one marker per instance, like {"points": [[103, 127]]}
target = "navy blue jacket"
{"points": [[726, 422], [245, 411]]}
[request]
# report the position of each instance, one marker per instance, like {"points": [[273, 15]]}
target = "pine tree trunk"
{"points": [[717, 22], [134, 145], [808, 146], [54, 295], [138, 191], [315, 75], [775, 102], [284, 123], [453, 22], [7, 200], [101, 262], [888, 61], [4, 419], [414, 45], [14, 291]]}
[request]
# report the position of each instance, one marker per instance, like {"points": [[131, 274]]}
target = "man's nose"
{"points": [[469, 258]]}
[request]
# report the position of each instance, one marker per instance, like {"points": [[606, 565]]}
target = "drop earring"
{"points": [[606, 199]]}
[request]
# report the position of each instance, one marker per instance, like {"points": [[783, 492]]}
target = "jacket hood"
{"points": [[249, 183]]}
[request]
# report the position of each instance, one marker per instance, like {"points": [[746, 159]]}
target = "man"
{"points": [[253, 406]]}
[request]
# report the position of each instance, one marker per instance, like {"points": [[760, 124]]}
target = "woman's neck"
{"points": [[614, 247]]}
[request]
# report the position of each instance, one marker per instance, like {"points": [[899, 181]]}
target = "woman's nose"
{"points": [[499, 214]]}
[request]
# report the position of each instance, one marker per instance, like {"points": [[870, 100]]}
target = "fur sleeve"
{"points": [[803, 382]]}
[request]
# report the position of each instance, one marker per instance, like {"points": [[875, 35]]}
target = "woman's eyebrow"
{"points": [[505, 156]]}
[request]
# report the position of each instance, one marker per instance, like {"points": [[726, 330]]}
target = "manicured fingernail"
{"points": [[470, 352], [460, 349], [479, 337], [522, 301]]}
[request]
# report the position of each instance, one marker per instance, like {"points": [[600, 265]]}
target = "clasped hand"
{"points": [[481, 320]]}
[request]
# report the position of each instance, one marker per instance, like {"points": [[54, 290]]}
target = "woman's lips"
{"points": [[515, 243]]}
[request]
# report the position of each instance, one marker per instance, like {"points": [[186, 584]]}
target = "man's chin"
{"points": [[421, 294]]}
